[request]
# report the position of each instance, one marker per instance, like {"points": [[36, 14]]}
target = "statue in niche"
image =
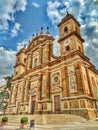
{"points": [[44, 54], [72, 83], [34, 92], [13, 99], [43, 89]]}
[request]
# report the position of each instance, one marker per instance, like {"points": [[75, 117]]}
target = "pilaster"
{"points": [[39, 86], [64, 84], [78, 78], [47, 85], [40, 55], [82, 79], [48, 52], [23, 91], [67, 81], [89, 82]]}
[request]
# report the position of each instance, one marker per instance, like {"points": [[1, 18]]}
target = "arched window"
{"points": [[79, 48], [93, 81], [66, 29], [35, 62], [24, 60], [67, 48]]}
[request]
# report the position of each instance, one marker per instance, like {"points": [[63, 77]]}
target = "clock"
{"points": [[67, 42]]}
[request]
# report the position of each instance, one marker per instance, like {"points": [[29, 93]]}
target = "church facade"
{"points": [[44, 83]]}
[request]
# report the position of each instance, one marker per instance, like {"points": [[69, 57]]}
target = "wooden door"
{"points": [[33, 107], [33, 104], [57, 104]]}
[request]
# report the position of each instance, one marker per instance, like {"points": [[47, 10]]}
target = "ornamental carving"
{"points": [[44, 86], [71, 70], [72, 84], [44, 56], [56, 79]]}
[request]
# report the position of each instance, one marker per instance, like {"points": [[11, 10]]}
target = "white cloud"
{"points": [[36, 5], [52, 11], [15, 29], [7, 10], [7, 61], [2, 82], [21, 5], [20, 45], [86, 13], [56, 47]]}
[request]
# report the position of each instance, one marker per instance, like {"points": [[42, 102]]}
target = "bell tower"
{"points": [[21, 57], [69, 35]]}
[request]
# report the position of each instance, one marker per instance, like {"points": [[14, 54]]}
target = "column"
{"points": [[82, 79], [29, 94], [78, 78], [51, 49], [48, 52], [64, 84], [23, 91], [9, 103], [47, 85], [39, 86], [30, 61], [40, 55], [27, 89], [89, 82]]}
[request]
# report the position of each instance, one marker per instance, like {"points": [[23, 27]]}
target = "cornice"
{"points": [[59, 60], [19, 64], [65, 19], [46, 37], [70, 34]]}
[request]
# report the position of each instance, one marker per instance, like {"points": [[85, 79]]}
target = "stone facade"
{"points": [[44, 83]]}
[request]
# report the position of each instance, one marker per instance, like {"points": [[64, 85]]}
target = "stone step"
{"points": [[46, 118]]}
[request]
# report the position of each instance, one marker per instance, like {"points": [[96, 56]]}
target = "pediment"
{"points": [[56, 89], [37, 40]]}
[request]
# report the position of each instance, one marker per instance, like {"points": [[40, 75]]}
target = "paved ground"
{"points": [[89, 125]]}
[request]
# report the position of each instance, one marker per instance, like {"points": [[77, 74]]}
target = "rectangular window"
{"points": [[24, 60]]}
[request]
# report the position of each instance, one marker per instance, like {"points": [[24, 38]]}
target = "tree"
{"points": [[8, 81], [4, 95]]}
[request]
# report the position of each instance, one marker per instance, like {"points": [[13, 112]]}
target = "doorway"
{"points": [[17, 104], [57, 104], [33, 104]]}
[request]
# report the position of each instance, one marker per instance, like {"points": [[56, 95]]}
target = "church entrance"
{"points": [[17, 104], [57, 104], [33, 104]]}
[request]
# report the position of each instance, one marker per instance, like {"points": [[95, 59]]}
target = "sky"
{"points": [[19, 19]]}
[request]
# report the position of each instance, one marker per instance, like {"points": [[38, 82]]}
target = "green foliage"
{"points": [[24, 120], [1, 95], [8, 81], [4, 95], [4, 119], [1, 106]]}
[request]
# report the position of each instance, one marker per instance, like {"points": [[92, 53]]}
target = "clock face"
{"points": [[67, 42]]}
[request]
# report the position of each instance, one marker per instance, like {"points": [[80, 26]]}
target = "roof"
{"points": [[66, 18], [22, 50]]}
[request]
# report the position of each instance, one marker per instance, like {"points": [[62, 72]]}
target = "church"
{"points": [[47, 84]]}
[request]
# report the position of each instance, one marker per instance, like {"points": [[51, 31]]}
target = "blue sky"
{"points": [[19, 19]]}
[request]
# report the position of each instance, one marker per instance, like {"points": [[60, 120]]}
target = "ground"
{"points": [[88, 125]]}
